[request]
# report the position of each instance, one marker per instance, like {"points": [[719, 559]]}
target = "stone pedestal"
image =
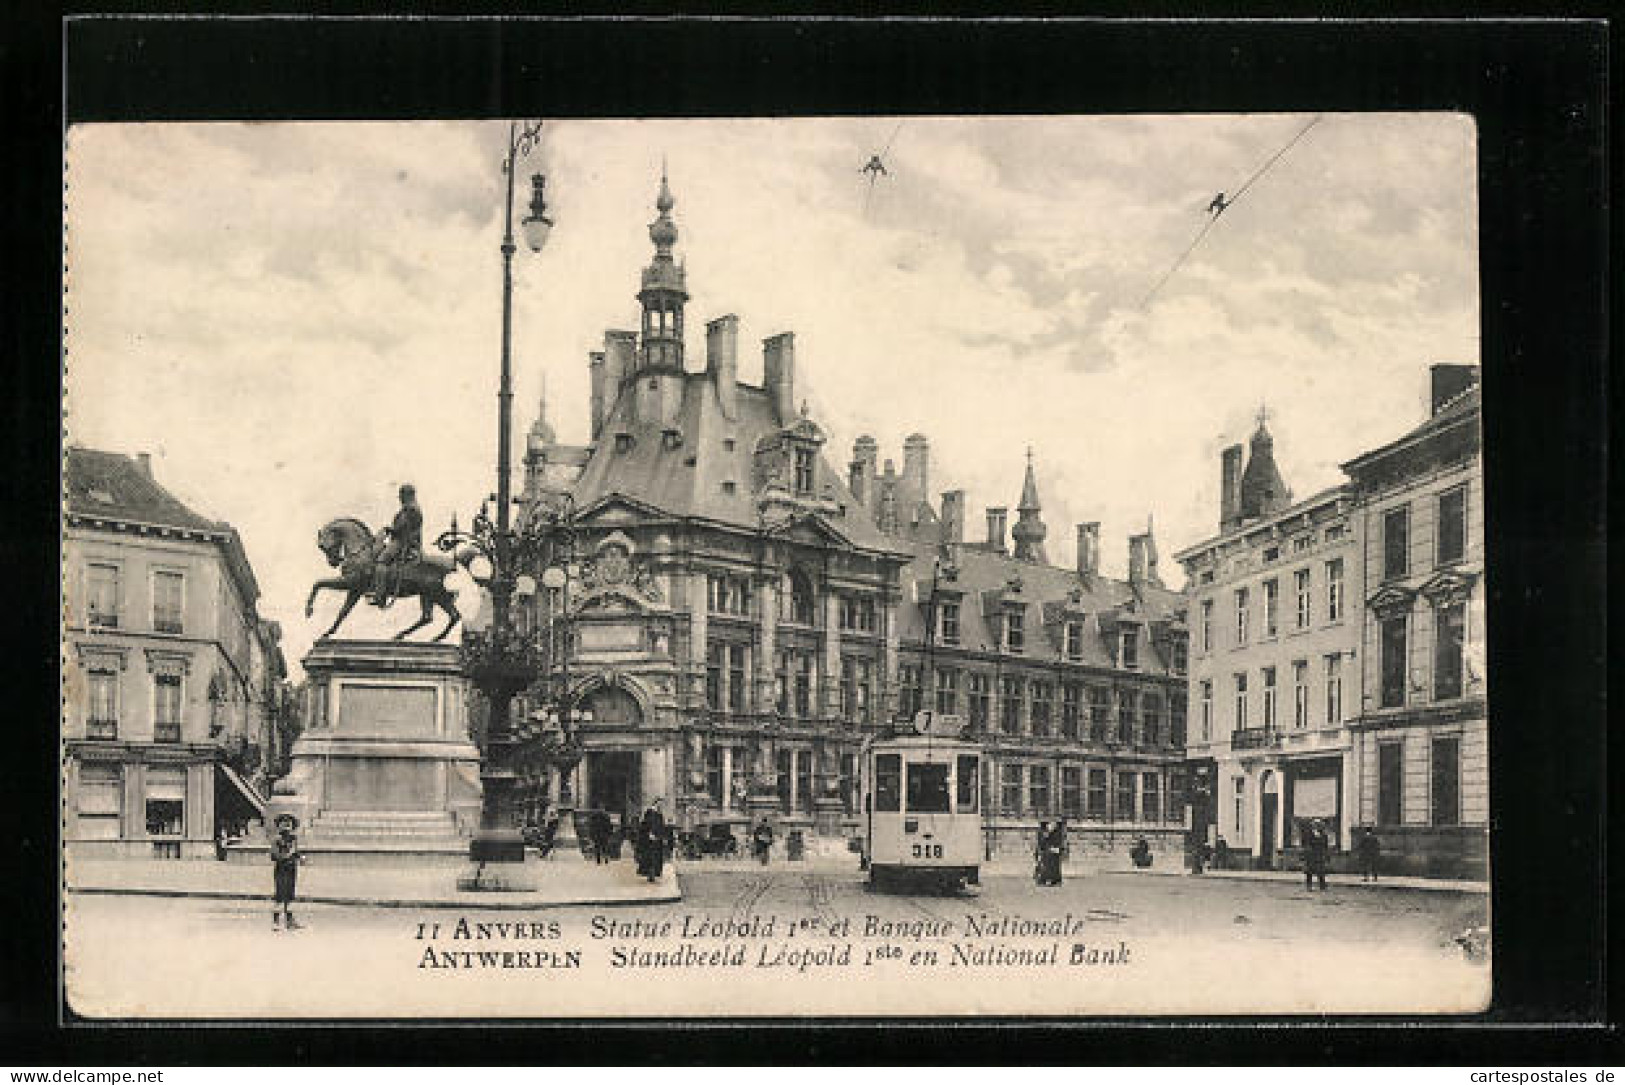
{"points": [[385, 762], [828, 810]]}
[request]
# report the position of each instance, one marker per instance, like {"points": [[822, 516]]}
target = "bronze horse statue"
{"points": [[351, 548]]}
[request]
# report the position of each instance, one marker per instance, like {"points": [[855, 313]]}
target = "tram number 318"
{"points": [[927, 851]]}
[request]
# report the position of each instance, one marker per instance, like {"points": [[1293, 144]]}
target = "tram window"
{"points": [[927, 788], [968, 777], [888, 778]]}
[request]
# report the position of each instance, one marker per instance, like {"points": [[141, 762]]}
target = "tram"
{"points": [[922, 806]]}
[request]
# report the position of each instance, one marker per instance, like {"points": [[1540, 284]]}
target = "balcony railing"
{"points": [[1255, 738], [101, 728]]}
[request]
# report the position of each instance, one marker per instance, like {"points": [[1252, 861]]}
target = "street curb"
{"points": [[370, 902], [1236, 876]]}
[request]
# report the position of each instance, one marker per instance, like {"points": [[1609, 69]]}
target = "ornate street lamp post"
{"points": [[500, 662]]}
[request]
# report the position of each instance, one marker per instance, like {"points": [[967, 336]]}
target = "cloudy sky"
{"points": [[295, 318]]}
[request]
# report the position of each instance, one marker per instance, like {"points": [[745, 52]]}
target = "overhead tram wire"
{"points": [[1224, 206]]}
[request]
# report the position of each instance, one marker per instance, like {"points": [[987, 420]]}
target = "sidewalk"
{"points": [[1295, 877], [565, 880]]}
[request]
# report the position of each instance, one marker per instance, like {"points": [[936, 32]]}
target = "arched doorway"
{"points": [[614, 777], [1269, 805]]}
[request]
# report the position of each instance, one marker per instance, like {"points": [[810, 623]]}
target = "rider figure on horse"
{"points": [[403, 544]]}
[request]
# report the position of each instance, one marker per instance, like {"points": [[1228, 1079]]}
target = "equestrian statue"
{"points": [[389, 566]]}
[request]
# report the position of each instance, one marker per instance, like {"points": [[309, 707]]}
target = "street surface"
{"points": [[787, 941]]}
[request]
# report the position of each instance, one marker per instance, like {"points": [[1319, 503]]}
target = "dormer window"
{"points": [[671, 439], [948, 621], [623, 443], [1015, 631], [1074, 639], [1129, 650], [804, 470]]}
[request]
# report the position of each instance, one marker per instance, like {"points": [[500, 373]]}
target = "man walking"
{"points": [[1316, 847], [652, 842], [285, 860], [1370, 851], [761, 840]]}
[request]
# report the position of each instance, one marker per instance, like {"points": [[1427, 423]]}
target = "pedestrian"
{"points": [[601, 831], [1054, 851], [1141, 853], [761, 840], [550, 833], [285, 860], [651, 842], [1370, 852], [1221, 854], [1198, 851], [1316, 847], [1040, 841]]}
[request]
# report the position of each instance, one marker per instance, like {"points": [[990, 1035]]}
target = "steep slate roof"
{"points": [[686, 481], [982, 572], [112, 486], [1464, 406]]}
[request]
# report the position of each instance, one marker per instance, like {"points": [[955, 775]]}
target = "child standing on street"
{"points": [[285, 859]]}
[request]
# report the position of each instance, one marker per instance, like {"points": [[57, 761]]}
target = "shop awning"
{"points": [[234, 798]]}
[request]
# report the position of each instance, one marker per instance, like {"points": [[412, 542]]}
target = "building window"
{"points": [[728, 595], [801, 674], [948, 621], [1334, 689], [737, 684], [1129, 656], [1300, 583], [1452, 545], [1396, 542], [1334, 590], [1150, 797], [1010, 789], [848, 783], [911, 698], [166, 800], [1015, 631], [1099, 714], [167, 605], [1300, 693], [858, 613], [623, 445], [725, 683], [1072, 640], [965, 781], [1446, 780], [1272, 607], [714, 662], [947, 692], [1206, 637], [716, 780], [1302, 543], [1151, 713], [1241, 800], [1269, 698], [1272, 554], [1176, 793], [801, 610], [980, 690], [1241, 616], [888, 783], [1181, 660], [1390, 782], [1393, 661], [1038, 789], [1125, 796], [1176, 719], [1097, 793], [1010, 704], [1071, 708], [101, 590], [804, 470], [1449, 637], [102, 720], [1207, 710], [1071, 791], [784, 767], [1125, 716], [166, 715], [804, 780], [855, 685], [1241, 702], [101, 802], [1039, 712]]}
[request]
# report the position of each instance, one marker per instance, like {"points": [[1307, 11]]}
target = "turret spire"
{"points": [[1029, 531], [664, 289]]}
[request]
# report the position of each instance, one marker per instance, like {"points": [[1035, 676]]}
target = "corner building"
{"points": [[172, 682], [744, 613], [1422, 737], [1274, 685]]}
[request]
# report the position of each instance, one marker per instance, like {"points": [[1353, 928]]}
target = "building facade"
{"points": [[1274, 680], [743, 614], [1421, 736], [172, 681]]}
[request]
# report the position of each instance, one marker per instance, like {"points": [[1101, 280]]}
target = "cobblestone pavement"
{"points": [[810, 941]]}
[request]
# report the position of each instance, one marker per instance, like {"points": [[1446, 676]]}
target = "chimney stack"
{"points": [[722, 361], [143, 460], [779, 374], [861, 472], [996, 519], [595, 370], [916, 469], [1230, 488], [620, 354], [1450, 381], [888, 499], [1138, 555], [953, 516], [1089, 548]]}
